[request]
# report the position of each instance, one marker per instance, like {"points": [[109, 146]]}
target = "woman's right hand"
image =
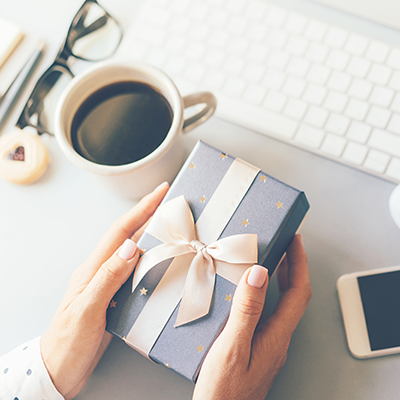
{"points": [[245, 359]]}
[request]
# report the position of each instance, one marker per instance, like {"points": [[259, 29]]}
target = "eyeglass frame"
{"points": [[60, 63]]}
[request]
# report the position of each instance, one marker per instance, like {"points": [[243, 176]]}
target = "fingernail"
{"points": [[257, 276], [301, 238], [127, 250], [161, 185]]}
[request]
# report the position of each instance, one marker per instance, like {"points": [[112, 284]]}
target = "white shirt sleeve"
{"points": [[24, 376]]}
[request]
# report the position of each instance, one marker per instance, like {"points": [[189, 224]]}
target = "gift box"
{"points": [[220, 216]]}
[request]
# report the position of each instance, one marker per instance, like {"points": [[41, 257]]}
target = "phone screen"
{"points": [[380, 295]]}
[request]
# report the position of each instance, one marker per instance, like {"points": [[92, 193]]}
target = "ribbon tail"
{"points": [[199, 287], [156, 255]]}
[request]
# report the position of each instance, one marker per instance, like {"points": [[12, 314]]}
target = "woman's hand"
{"points": [[76, 338], [250, 351]]}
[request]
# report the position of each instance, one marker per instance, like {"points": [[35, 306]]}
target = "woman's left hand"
{"points": [[76, 338]]}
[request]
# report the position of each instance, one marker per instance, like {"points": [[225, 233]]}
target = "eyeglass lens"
{"points": [[94, 35]]}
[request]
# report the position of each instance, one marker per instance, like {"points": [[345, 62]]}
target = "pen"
{"points": [[11, 95]]}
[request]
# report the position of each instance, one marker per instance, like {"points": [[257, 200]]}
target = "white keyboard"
{"points": [[280, 73]]}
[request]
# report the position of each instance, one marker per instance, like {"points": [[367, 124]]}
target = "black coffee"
{"points": [[121, 123]]}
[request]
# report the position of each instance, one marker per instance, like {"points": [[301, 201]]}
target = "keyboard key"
{"points": [[155, 15], [175, 65], [358, 67], [333, 145], [395, 81], [378, 117], [238, 46], [316, 116], [355, 153], [298, 67], [335, 37], [218, 39], [360, 89], [175, 44], [256, 10], [180, 25], [275, 101], [317, 53], [376, 161], [137, 50], [214, 58], [157, 58], [295, 109], [310, 137], [148, 34], [273, 79], [233, 65], [381, 96], [357, 109], [253, 72], [377, 51], [199, 31], [217, 18], [314, 94], [394, 124], [195, 72], [356, 44], [294, 87], [337, 124], [296, 46], [236, 6], [315, 30], [236, 25], [337, 59], [295, 24], [254, 94], [336, 102], [275, 16], [318, 74], [195, 51], [394, 59], [379, 74], [358, 132], [394, 169], [276, 39], [257, 52], [385, 141], [198, 11], [256, 32], [395, 106], [234, 86], [339, 81], [214, 80], [277, 59]]}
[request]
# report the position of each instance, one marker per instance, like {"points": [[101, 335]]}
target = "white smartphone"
{"points": [[370, 303]]}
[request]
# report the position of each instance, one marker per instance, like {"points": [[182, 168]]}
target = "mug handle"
{"points": [[210, 104]]}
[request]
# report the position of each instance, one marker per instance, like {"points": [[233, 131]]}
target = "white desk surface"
{"points": [[49, 228]]}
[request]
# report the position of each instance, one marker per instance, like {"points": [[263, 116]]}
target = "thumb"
{"points": [[113, 274], [248, 303]]}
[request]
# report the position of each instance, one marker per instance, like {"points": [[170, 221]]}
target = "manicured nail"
{"points": [[257, 276], [161, 185], [301, 238], [127, 250]]}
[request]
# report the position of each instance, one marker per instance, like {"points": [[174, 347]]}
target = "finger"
{"points": [[136, 236], [298, 274], [282, 272], [247, 306], [111, 276], [129, 223]]}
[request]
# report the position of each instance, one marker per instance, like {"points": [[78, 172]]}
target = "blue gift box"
{"points": [[231, 203]]}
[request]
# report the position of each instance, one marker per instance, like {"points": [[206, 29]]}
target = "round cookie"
{"points": [[23, 157]]}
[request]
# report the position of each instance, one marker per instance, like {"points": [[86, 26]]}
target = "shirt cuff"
{"points": [[23, 374]]}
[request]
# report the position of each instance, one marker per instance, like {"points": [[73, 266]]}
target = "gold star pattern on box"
{"points": [[143, 292], [200, 348], [279, 204], [228, 298], [192, 166], [113, 304], [245, 222], [124, 338], [263, 178], [167, 365], [203, 199], [223, 156], [142, 251]]}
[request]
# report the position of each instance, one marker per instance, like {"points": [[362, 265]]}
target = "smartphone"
{"points": [[370, 303]]}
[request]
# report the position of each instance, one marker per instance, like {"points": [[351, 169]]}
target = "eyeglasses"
{"points": [[93, 35]]}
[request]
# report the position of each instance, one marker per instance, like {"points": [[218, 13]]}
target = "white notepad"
{"points": [[10, 36]]}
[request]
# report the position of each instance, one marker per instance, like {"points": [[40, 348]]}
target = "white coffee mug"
{"points": [[138, 178]]}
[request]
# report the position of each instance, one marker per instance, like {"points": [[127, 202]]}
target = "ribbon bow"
{"points": [[229, 257]]}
